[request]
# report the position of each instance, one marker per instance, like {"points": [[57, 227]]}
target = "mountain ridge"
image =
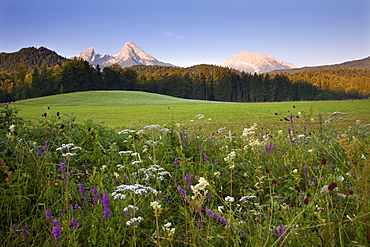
{"points": [[129, 55]]}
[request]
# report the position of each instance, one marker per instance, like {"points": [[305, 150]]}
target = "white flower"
{"points": [[220, 208], [155, 205], [125, 152], [363, 156], [249, 131], [245, 199], [199, 116], [229, 199], [168, 225], [201, 186], [130, 207], [12, 128], [68, 154], [133, 220]]}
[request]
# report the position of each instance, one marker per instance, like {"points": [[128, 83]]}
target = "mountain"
{"points": [[355, 64], [30, 57], [129, 55], [252, 62]]}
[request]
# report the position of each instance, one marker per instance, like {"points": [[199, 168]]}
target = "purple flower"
{"points": [[48, 214], [182, 193], [205, 157], [106, 205], [176, 161], [39, 153], [281, 232], [94, 191], [216, 216], [270, 147], [56, 230], [46, 148], [189, 178], [332, 186], [73, 223], [63, 169]]}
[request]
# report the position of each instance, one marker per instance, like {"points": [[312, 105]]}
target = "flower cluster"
{"points": [[134, 220], [201, 186], [154, 171], [135, 188]]}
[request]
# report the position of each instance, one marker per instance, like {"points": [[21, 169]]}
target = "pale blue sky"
{"points": [[189, 32]]}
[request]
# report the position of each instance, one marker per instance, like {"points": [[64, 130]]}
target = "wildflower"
{"points": [[249, 131], [267, 170], [56, 230], [215, 215], [270, 147], [217, 174], [134, 220], [363, 156], [201, 186], [274, 181], [350, 192], [68, 154], [230, 157], [106, 205], [176, 161], [297, 188], [73, 223], [48, 214], [281, 231], [189, 178], [12, 128], [332, 186], [63, 169], [39, 153], [229, 199], [306, 201], [245, 199], [323, 161], [130, 207], [199, 116], [182, 193]]}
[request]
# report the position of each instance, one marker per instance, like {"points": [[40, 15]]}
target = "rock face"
{"points": [[252, 62], [129, 55]]}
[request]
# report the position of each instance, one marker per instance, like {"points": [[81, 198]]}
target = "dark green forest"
{"points": [[48, 74]]}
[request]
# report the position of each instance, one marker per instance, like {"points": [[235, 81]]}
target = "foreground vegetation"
{"points": [[68, 183]]}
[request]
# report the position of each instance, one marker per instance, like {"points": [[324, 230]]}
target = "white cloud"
{"points": [[171, 34]]}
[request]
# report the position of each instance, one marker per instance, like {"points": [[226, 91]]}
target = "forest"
{"points": [[31, 79]]}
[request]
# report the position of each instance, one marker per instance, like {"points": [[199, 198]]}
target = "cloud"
{"points": [[171, 34]]}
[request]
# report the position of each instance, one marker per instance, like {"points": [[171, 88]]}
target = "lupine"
{"points": [[48, 214], [63, 169], [106, 205], [215, 215], [73, 223], [57, 230]]}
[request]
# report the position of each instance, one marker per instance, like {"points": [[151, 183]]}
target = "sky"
{"points": [[190, 32]]}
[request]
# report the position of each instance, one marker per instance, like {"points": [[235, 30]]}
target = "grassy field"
{"points": [[122, 109]]}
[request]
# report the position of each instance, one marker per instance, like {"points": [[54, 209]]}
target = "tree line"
{"points": [[204, 82]]}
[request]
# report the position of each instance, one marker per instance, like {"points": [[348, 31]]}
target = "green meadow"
{"points": [[137, 169], [123, 109]]}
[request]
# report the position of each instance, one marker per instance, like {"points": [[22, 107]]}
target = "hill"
{"points": [[103, 98], [30, 57], [355, 64]]}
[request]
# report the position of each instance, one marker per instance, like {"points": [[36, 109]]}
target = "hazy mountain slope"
{"points": [[355, 64], [255, 63]]}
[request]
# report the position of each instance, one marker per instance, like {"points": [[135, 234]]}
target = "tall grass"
{"points": [[65, 183]]}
